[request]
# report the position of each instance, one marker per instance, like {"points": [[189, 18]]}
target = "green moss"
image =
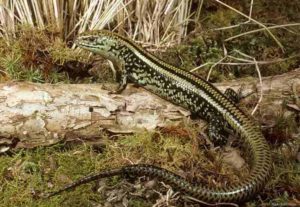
{"points": [[47, 169], [39, 56], [205, 46], [12, 65], [222, 18], [29, 171], [284, 184], [44, 168]]}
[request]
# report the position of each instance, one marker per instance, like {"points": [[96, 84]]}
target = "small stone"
{"points": [[150, 184]]}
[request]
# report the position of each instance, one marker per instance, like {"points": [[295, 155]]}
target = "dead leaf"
{"points": [[233, 157]]}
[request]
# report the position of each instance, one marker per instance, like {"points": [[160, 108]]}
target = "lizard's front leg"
{"points": [[122, 79]]}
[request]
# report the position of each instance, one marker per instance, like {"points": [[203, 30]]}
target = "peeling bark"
{"points": [[44, 114]]}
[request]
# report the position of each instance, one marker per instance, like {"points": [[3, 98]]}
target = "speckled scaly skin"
{"points": [[193, 93]]}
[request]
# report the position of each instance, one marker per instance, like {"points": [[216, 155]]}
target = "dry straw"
{"points": [[156, 22], [159, 22]]}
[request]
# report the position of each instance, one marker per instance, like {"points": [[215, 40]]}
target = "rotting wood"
{"points": [[44, 114]]}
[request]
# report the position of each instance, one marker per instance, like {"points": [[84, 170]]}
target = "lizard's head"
{"points": [[103, 42]]}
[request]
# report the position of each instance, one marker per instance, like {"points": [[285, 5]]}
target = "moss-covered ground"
{"points": [[27, 173], [41, 56]]}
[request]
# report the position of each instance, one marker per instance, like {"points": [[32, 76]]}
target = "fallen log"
{"points": [[44, 114]]}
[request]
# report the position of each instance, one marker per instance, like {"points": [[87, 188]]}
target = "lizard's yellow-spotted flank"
{"points": [[193, 93]]}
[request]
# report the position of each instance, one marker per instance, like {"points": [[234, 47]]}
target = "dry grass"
{"points": [[157, 22]]}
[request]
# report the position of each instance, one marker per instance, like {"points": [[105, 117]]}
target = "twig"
{"points": [[221, 60], [214, 65], [261, 29], [122, 154], [201, 66], [259, 76], [210, 204], [245, 62], [283, 173], [237, 25], [257, 22]]}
